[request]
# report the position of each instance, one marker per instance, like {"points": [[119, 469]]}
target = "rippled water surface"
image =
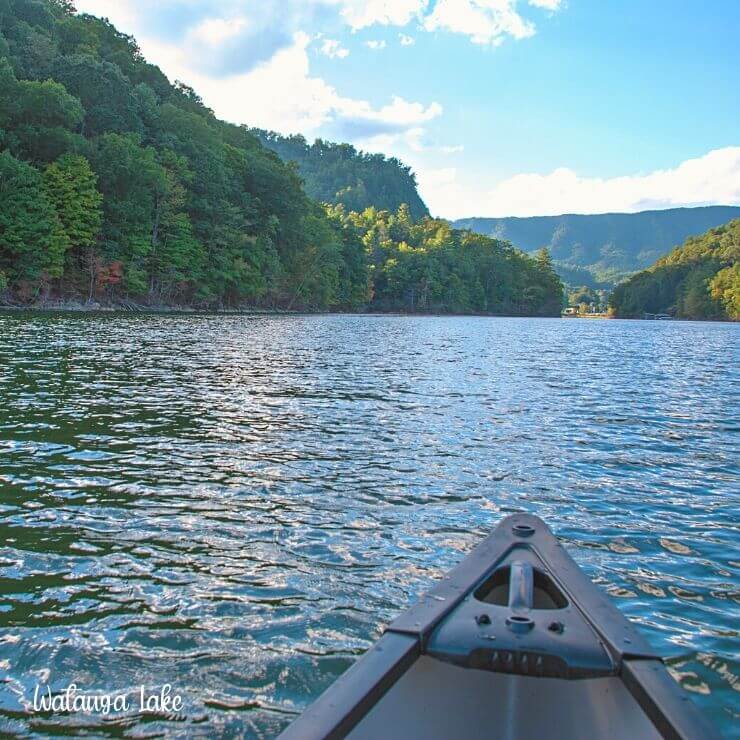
{"points": [[236, 505]]}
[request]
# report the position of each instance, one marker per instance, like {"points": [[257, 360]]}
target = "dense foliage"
{"points": [[587, 299], [609, 246], [698, 280], [116, 184], [338, 173], [429, 266]]}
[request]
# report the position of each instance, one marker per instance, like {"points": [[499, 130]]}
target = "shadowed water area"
{"points": [[237, 505]]}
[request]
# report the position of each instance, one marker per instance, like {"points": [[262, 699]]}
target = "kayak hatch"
{"points": [[514, 643]]}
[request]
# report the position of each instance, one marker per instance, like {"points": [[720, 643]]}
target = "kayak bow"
{"points": [[515, 642]]}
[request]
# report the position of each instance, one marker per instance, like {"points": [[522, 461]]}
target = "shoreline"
{"points": [[129, 310], [75, 307]]}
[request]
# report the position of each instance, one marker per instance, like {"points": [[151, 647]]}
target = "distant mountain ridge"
{"points": [[609, 245]]}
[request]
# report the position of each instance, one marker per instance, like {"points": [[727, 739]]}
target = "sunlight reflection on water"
{"points": [[237, 505]]}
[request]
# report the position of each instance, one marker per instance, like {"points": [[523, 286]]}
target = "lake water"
{"points": [[236, 505]]}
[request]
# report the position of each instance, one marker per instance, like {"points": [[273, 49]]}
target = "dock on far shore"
{"points": [[573, 313]]}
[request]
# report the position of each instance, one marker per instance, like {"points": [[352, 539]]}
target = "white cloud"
{"points": [[401, 112], [455, 15], [333, 49], [398, 144], [547, 4], [710, 179], [484, 21], [121, 13], [406, 40], [268, 25], [409, 142], [363, 13], [379, 129], [443, 193], [375, 45], [217, 30], [219, 37]]}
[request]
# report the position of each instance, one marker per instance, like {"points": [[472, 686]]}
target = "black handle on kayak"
{"points": [[521, 585]]}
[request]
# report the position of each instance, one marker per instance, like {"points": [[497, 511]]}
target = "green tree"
{"points": [[131, 181], [583, 294], [312, 275], [176, 257], [354, 290], [694, 299], [544, 260], [39, 117], [70, 185], [725, 287], [105, 92], [32, 239]]}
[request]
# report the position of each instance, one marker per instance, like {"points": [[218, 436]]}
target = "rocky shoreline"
{"points": [[56, 306]]}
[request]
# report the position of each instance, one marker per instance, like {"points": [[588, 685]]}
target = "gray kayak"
{"points": [[514, 643]]}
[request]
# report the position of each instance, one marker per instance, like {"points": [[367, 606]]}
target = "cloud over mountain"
{"points": [[706, 180]]}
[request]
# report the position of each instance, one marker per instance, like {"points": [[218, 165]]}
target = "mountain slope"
{"points": [[118, 186], [339, 174], [698, 280], [116, 183], [609, 245]]}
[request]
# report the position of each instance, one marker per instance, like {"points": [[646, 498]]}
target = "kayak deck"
{"points": [[437, 700], [515, 642]]}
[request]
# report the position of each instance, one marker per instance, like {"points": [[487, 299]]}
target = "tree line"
{"points": [[698, 280], [115, 183]]}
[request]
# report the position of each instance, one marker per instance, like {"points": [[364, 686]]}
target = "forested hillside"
{"points": [[610, 245], [117, 185], [338, 173], [429, 266], [698, 280]]}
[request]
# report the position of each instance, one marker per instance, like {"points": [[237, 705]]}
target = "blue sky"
{"points": [[502, 107]]}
